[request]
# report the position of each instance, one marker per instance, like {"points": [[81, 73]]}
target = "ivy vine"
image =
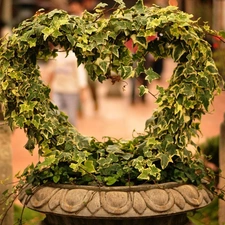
{"points": [[161, 153]]}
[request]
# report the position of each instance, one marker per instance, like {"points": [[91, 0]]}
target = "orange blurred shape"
{"points": [[151, 38], [133, 48], [130, 45], [173, 2]]}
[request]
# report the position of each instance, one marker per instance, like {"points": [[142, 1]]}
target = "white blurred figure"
{"points": [[68, 83]]}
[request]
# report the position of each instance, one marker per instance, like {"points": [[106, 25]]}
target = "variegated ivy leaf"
{"points": [[143, 90]]}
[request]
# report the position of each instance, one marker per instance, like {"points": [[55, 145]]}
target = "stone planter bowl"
{"points": [[160, 204]]}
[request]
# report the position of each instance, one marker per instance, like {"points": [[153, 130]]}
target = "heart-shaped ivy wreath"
{"points": [[161, 153]]}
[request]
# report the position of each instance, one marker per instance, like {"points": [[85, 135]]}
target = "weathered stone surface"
{"points": [[222, 175], [5, 168], [133, 202]]}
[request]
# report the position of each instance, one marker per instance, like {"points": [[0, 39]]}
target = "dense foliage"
{"points": [[161, 153]]}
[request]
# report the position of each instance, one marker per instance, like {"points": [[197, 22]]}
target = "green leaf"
{"points": [[71, 39], [100, 38], [155, 172], [75, 167], [37, 121], [145, 174], [211, 67], [30, 145], [56, 34], [110, 180], [47, 31], [151, 171], [178, 108], [139, 40], [100, 5], [104, 161], [178, 52], [48, 161], [114, 149], [20, 121], [151, 75], [138, 162], [57, 22], [32, 42], [104, 66], [115, 50], [56, 178], [61, 140], [68, 146], [4, 85], [222, 33], [152, 141], [29, 191], [143, 90], [127, 156], [204, 96], [126, 72], [165, 159], [139, 7], [121, 4], [89, 166]]}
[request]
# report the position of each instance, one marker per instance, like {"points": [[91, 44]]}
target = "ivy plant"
{"points": [[161, 153]]}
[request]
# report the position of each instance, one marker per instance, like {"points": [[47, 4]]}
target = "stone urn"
{"points": [[161, 204]]}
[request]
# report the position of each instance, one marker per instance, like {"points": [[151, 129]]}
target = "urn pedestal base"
{"points": [[167, 220]]}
